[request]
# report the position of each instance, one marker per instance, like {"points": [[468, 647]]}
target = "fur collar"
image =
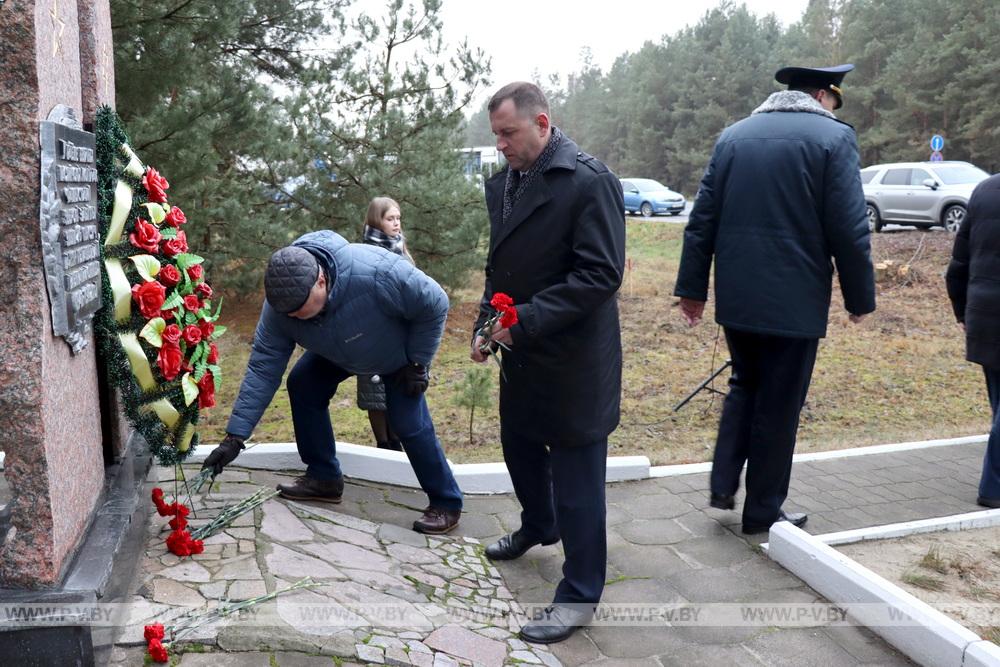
{"points": [[791, 100]]}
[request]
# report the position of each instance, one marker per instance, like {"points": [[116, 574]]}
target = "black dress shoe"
{"points": [[514, 545], [795, 518], [722, 502], [992, 503], [557, 624]]}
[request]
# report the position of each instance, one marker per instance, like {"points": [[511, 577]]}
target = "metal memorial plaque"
{"points": [[68, 216]]}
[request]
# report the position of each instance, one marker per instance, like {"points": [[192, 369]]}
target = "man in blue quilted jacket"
{"points": [[355, 309]]}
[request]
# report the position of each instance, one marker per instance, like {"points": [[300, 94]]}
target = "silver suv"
{"points": [[922, 194]]}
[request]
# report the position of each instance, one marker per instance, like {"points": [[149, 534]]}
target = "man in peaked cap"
{"points": [[780, 198], [355, 309], [820, 83]]}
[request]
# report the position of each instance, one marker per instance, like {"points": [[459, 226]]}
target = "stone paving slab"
{"points": [[665, 545], [384, 594]]}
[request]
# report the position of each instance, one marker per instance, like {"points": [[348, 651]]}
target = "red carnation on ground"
{"points": [[169, 275], [154, 631], [150, 296], [157, 651], [175, 217], [155, 185], [179, 543]]}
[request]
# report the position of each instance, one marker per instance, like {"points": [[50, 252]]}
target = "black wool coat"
{"points": [[973, 276], [561, 257]]}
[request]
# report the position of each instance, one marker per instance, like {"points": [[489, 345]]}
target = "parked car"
{"points": [[922, 194], [650, 197]]}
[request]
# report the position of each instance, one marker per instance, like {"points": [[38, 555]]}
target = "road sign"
{"points": [[936, 156], [937, 143]]}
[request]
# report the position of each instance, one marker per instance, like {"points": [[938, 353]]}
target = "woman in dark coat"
{"points": [[973, 280]]}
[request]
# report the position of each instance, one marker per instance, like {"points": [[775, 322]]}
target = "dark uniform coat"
{"points": [[974, 275], [772, 246], [561, 257]]}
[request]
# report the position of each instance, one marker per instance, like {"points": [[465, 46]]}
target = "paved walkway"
{"points": [[665, 545]]}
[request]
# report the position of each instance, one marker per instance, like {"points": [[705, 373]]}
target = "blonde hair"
{"points": [[377, 209], [373, 218]]}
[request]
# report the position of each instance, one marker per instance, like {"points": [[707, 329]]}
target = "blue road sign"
{"points": [[936, 156], [937, 143]]}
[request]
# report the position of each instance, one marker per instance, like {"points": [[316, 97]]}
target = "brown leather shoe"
{"points": [[307, 488], [436, 521]]}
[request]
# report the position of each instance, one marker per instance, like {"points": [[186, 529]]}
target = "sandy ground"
{"points": [[963, 567]]}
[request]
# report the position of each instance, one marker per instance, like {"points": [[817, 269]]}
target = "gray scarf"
{"points": [[514, 187], [377, 237], [791, 100]]}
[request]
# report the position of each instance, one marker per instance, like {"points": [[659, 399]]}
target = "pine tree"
{"points": [[390, 123], [195, 82]]}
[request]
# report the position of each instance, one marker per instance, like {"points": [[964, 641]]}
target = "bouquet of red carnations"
{"points": [[505, 313]]}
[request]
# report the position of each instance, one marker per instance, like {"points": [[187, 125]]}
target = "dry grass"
{"points": [[924, 581], [900, 375], [932, 561]]}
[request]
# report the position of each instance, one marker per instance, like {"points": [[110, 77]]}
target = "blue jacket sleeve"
{"points": [[699, 239], [410, 294], [268, 360], [845, 225]]}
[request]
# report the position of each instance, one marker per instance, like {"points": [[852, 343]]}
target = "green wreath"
{"points": [[157, 328]]}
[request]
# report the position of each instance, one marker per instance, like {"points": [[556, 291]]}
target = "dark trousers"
{"points": [[314, 381], [989, 482], [561, 491], [760, 417]]}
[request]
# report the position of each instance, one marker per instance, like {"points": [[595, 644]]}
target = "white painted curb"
{"points": [[931, 639], [967, 521], [693, 468], [389, 467]]}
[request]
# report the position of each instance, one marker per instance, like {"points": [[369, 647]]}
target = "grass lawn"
{"points": [[900, 375]]}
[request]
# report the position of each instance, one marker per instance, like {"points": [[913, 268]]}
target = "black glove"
{"points": [[413, 378], [224, 454]]}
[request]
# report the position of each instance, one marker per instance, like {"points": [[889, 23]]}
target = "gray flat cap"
{"points": [[291, 274]]}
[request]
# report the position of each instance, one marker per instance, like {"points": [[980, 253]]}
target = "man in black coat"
{"points": [[781, 195], [973, 280], [557, 248]]}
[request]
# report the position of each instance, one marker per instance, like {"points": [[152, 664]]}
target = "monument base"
{"points": [[100, 572]]}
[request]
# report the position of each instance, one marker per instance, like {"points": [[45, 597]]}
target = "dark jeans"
{"points": [[314, 381], [760, 417], [561, 491], [989, 483]]}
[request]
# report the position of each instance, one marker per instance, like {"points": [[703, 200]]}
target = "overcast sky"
{"points": [[522, 36]]}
